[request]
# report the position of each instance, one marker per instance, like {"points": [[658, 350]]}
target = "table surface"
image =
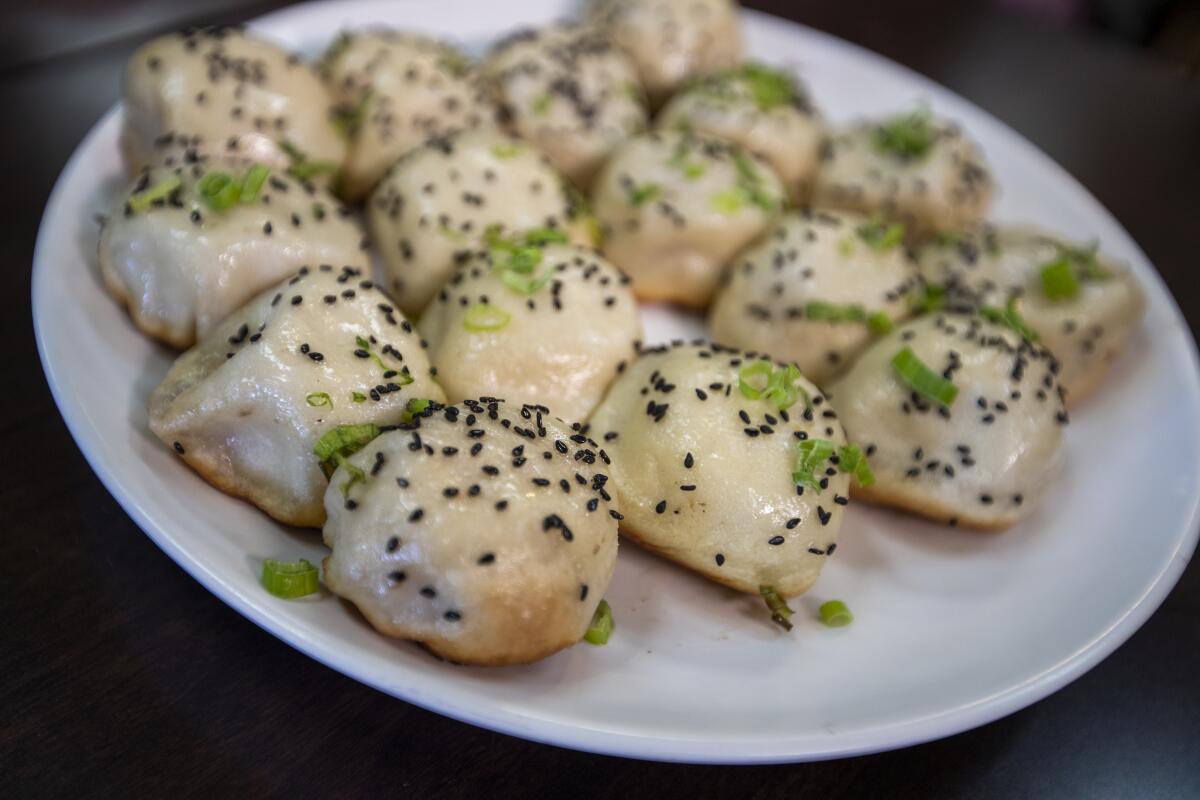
{"points": [[121, 675]]}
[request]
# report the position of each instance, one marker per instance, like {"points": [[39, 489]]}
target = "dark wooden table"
{"points": [[122, 677]]}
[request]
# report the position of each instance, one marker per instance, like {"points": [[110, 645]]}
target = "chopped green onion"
{"points": [[252, 184], [144, 199], [851, 459], [483, 317], [517, 257], [302, 169], [820, 311], [506, 150], [1009, 318], [318, 399], [781, 613], [835, 614], [454, 62], [541, 103], [922, 379], [729, 201], [1058, 280], [879, 235], [932, 297], [290, 580], [451, 234], [643, 193], [358, 397], [753, 372], [413, 409], [363, 344], [602, 625], [811, 454], [219, 190], [846, 247], [1084, 258], [526, 284], [336, 444], [540, 237], [907, 136], [770, 88], [750, 182], [348, 119], [879, 323], [761, 380]]}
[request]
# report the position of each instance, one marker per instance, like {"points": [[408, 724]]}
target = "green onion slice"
{"points": [[757, 373], [144, 199], [922, 379], [781, 613], [302, 169], [1010, 318], [483, 317], [879, 323], [219, 190], [506, 150], [879, 235], [932, 297], [602, 625], [252, 184], [907, 136], [318, 399], [851, 459], [835, 614], [643, 193], [290, 580], [413, 409], [811, 455], [358, 397], [821, 311], [1058, 279], [338, 443]]}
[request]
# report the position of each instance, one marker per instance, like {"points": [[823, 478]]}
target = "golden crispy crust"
{"points": [[209, 470], [466, 650], [714, 575], [930, 510]]}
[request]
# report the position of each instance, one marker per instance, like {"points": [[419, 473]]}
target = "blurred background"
{"points": [[32, 31]]}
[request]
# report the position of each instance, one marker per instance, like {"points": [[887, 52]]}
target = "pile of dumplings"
{"points": [[405, 286]]}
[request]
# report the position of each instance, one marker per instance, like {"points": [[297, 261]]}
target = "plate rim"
{"points": [[658, 748]]}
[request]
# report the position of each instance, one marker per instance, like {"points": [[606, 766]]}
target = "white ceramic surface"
{"points": [[953, 629]]}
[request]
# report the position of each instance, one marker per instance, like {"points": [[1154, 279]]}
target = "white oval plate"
{"points": [[953, 629]]}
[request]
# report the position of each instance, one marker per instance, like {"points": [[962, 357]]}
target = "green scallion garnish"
{"points": [[811, 455], [770, 88], [290, 580], [517, 257], [506, 150], [932, 297], [219, 190], [541, 103], [338, 443], [922, 379], [835, 614], [907, 136], [483, 317], [413, 409], [143, 200], [1058, 280], [1010, 318], [348, 119], [302, 169], [781, 613], [762, 381], [252, 183], [879, 323], [318, 399], [358, 397], [879, 235], [851, 459], [643, 193], [602, 625]]}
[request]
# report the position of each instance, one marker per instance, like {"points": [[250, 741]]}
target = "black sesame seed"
{"points": [[661, 507], [775, 540]]}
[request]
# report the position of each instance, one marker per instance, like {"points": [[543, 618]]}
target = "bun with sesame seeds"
{"points": [[181, 265], [815, 290], [246, 405], [763, 109], [911, 168], [433, 207], [674, 207], [392, 91], [672, 41], [995, 268], [222, 91], [484, 532], [565, 323], [568, 91], [983, 460], [705, 473]]}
